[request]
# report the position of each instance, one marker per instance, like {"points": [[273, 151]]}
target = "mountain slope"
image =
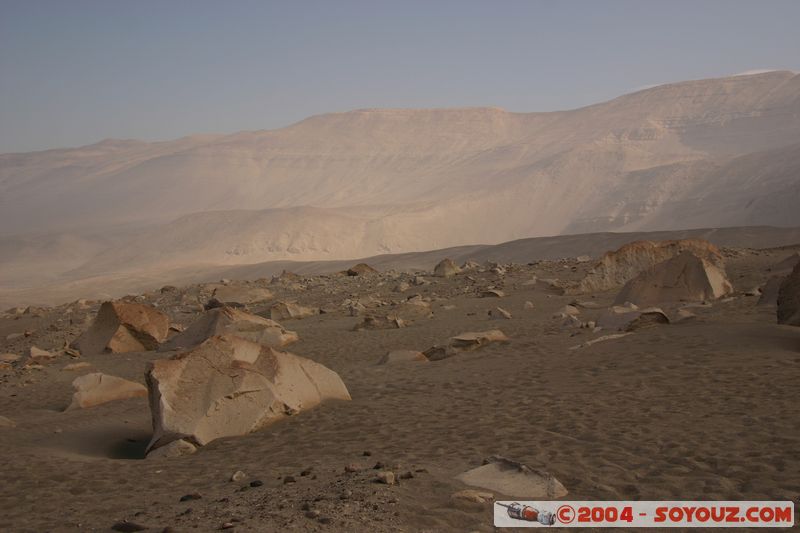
{"points": [[692, 154]]}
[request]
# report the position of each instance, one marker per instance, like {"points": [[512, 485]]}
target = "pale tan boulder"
{"points": [[615, 269], [98, 388], [513, 479], [124, 327], [446, 268], [229, 321], [683, 278], [229, 386], [291, 310]]}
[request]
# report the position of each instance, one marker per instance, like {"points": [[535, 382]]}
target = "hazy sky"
{"points": [[75, 72]]}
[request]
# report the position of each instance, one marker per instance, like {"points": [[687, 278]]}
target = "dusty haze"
{"points": [[708, 153]]}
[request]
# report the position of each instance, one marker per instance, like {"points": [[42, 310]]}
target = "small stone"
{"points": [[190, 497], [472, 496], [76, 366], [39, 356], [352, 467], [366, 453], [227, 525], [407, 475], [491, 293], [312, 513], [306, 472], [378, 466], [528, 305], [238, 476], [289, 479], [256, 483], [126, 526], [325, 520], [346, 494], [386, 477], [498, 313]]}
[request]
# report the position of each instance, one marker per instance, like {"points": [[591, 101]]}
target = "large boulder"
{"points": [[124, 327], [229, 321], [98, 388], [615, 269], [684, 278], [361, 269], [789, 299], [446, 268], [290, 310], [240, 295], [229, 386]]}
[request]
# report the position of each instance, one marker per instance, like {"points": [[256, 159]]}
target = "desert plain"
{"points": [[703, 407]]}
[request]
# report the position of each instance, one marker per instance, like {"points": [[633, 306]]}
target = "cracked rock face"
{"points": [[229, 386], [616, 268], [124, 327], [686, 277], [229, 321]]}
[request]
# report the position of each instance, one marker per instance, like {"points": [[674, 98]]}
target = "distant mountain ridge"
{"points": [[707, 153]]}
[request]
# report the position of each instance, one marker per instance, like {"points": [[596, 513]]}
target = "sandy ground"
{"points": [[702, 409]]}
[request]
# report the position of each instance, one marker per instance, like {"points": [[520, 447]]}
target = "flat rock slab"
{"points": [[98, 388], [513, 479], [232, 294], [403, 356]]}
